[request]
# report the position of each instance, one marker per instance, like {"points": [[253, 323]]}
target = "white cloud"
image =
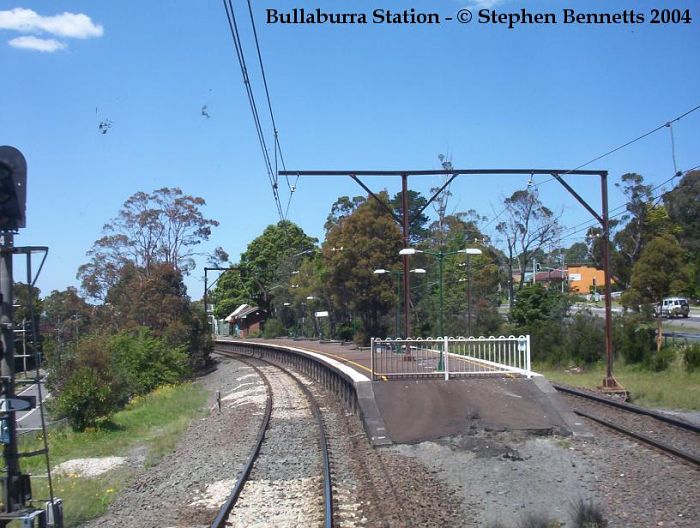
{"points": [[484, 4], [38, 44], [69, 25]]}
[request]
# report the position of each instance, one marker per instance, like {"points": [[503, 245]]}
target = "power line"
{"points": [[646, 134], [590, 223], [278, 146], [616, 149], [233, 27]]}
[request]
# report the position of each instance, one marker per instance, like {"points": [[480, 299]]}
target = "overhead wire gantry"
{"points": [[609, 382]]}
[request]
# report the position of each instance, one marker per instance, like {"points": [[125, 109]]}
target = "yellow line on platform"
{"points": [[345, 360], [339, 358]]}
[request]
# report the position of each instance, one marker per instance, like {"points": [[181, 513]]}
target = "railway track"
{"points": [[279, 472], [673, 436]]}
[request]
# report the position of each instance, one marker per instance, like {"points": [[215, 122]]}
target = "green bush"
{"points": [[488, 320], [344, 332], [273, 328], [361, 338], [581, 337], [547, 341], [536, 303], [585, 338], [633, 344], [661, 360], [85, 398], [691, 357], [146, 362]]}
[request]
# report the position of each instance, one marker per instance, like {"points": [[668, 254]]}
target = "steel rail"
{"points": [[225, 510], [643, 438], [323, 444], [682, 424]]}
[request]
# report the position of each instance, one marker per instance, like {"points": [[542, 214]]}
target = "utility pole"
{"points": [[13, 178], [16, 486], [212, 328], [511, 289], [406, 279], [469, 295], [14, 482]]}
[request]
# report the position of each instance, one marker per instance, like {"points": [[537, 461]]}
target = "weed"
{"points": [[661, 360], [587, 514], [563, 443], [691, 357]]}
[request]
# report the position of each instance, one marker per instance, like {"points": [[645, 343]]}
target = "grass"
{"points": [[151, 425], [669, 389]]}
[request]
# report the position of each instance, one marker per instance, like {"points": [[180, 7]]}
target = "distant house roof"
{"points": [[241, 312], [556, 275], [234, 315]]}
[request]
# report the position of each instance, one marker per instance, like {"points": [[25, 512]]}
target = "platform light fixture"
{"points": [[382, 271], [441, 257]]}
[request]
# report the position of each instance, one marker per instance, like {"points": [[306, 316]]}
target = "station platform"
{"points": [[416, 410]]}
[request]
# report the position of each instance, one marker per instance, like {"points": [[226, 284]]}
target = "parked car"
{"points": [[674, 307]]}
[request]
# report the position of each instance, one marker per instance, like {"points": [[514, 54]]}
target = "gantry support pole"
{"points": [[609, 382], [406, 278]]}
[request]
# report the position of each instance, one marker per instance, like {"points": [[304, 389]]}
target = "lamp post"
{"points": [[382, 271], [311, 298], [441, 257], [469, 252], [285, 308]]}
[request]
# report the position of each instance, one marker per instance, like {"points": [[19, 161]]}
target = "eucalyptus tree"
{"points": [[365, 240], [529, 226], [162, 227]]}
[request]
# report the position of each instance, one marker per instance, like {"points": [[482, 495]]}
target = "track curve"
{"points": [[222, 518]]}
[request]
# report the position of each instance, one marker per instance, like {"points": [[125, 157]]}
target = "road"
{"points": [[689, 325], [31, 419]]}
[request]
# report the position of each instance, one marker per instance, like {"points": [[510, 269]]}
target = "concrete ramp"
{"points": [[419, 410]]}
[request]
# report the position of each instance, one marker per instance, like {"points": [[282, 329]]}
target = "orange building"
{"points": [[583, 278]]}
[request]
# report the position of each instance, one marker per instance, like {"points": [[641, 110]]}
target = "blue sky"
{"points": [[345, 97]]}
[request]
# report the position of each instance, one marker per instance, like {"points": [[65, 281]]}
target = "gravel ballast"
{"points": [[477, 480], [184, 488]]}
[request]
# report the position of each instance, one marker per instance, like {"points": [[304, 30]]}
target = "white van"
{"points": [[675, 307]]}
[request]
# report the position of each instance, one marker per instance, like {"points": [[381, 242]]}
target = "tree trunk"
{"points": [[659, 335]]}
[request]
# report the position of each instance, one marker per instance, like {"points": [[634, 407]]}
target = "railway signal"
{"points": [[13, 189], [16, 498]]}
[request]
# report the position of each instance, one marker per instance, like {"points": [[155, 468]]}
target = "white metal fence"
{"points": [[450, 356]]}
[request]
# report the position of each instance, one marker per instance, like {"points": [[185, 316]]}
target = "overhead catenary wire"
{"points": [[616, 149], [272, 175], [673, 148], [576, 230], [573, 231], [655, 200], [278, 147], [639, 138]]}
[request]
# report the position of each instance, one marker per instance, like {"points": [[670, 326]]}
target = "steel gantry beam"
{"points": [[609, 382]]}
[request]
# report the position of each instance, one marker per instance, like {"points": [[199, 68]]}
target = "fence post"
{"points": [[371, 354], [527, 357], [447, 361]]}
